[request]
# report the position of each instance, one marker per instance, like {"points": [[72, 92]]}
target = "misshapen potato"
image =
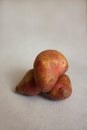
{"points": [[27, 86], [62, 89], [48, 66]]}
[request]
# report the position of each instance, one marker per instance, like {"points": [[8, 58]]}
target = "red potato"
{"points": [[48, 66], [27, 86], [62, 89]]}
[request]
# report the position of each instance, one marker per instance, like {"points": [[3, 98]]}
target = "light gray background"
{"points": [[26, 28]]}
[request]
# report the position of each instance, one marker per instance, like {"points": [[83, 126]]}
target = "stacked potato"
{"points": [[47, 77]]}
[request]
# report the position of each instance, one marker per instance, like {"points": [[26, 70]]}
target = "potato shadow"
{"points": [[44, 96]]}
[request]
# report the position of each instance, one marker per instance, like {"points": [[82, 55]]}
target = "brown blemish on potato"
{"points": [[51, 80]]}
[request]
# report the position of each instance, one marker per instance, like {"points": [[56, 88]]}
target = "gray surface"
{"points": [[26, 28]]}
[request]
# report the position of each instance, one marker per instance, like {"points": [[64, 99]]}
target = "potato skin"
{"points": [[27, 85], [62, 89], [48, 66]]}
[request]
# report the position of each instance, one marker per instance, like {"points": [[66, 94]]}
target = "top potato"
{"points": [[48, 66]]}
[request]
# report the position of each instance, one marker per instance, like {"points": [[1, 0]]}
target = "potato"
{"points": [[62, 89], [27, 85], [48, 66]]}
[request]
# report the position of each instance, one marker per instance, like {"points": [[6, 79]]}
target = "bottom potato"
{"points": [[27, 85], [61, 90]]}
